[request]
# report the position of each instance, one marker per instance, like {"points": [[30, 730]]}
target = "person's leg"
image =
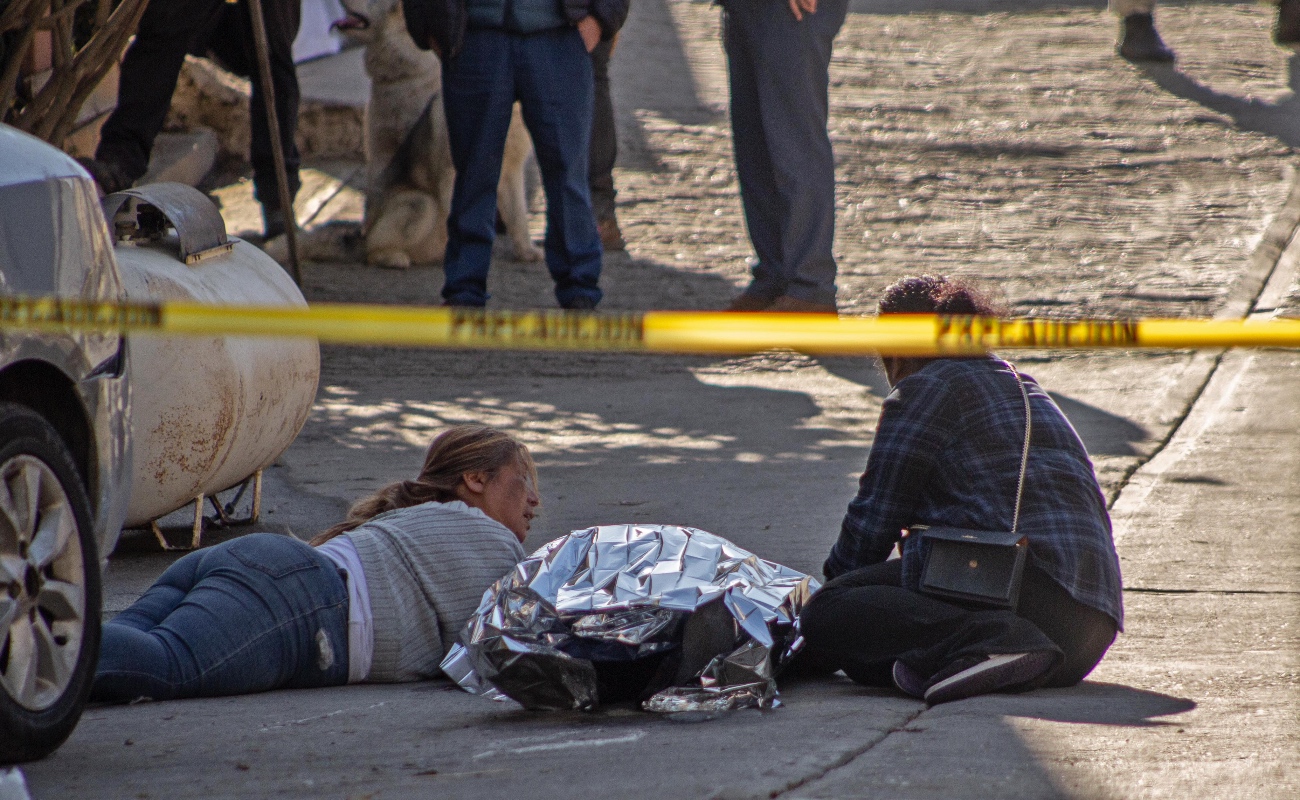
{"points": [[604, 151], [1083, 633], [232, 43], [1138, 38], [146, 82], [161, 599], [478, 94], [762, 202], [256, 613], [791, 61], [282, 21], [864, 620], [555, 88], [1286, 30]]}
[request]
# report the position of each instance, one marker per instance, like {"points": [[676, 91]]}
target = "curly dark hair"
{"points": [[935, 294]]}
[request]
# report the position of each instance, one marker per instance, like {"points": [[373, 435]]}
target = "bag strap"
{"points": [[1024, 455]]}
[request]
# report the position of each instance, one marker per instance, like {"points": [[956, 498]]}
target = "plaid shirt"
{"points": [[947, 453]]}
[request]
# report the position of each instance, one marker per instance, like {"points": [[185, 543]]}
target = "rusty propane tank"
{"points": [[206, 412]]}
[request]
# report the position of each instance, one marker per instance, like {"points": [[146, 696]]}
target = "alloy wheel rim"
{"points": [[42, 584]]}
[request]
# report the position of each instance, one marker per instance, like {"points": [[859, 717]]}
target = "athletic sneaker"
{"points": [[909, 681], [995, 674]]}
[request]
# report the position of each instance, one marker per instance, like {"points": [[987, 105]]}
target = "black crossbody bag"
{"points": [[981, 568]]}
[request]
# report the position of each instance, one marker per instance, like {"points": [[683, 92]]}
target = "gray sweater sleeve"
{"points": [[427, 567]]}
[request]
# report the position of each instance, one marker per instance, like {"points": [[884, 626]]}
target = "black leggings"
{"points": [[862, 621]]}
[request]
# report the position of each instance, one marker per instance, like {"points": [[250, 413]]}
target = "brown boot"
{"points": [[611, 238], [793, 305], [748, 302], [1141, 41], [1287, 29]]}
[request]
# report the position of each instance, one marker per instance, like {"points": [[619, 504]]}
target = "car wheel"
{"points": [[49, 588]]}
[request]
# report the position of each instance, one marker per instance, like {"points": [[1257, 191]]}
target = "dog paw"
{"points": [[391, 260], [528, 252], [277, 248]]}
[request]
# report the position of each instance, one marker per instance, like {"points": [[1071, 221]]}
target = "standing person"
{"points": [[778, 64], [604, 151], [536, 52], [948, 451], [1140, 41], [168, 30], [380, 597]]}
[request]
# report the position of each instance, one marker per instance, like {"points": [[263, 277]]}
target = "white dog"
{"points": [[409, 174]]}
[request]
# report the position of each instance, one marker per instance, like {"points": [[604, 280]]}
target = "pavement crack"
{"points": [[1173, 430], [846, 758], [1282, 235]]}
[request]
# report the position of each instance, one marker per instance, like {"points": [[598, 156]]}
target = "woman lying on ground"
{"points": [[948, 452], [379, 597]]}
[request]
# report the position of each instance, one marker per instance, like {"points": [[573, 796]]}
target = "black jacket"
{"points": [[440, 24]]}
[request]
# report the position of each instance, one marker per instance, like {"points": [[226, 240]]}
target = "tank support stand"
{"points": [[224, 513]]}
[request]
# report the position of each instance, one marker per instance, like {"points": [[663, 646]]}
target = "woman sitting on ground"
{"points": [[379, 598], [948, 452]]}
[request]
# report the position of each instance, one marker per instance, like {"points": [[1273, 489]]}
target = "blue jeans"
{"points": [[259, 612], [549, 73]]}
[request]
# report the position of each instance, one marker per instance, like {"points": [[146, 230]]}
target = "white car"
{"points": [[95, 433], [65, 447]]}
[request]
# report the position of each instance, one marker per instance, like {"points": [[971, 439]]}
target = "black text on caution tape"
{"points": [[547, 329], [964, 333]]}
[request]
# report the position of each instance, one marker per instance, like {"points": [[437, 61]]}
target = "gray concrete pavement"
{"points": [[1200, 696], [1164, 204]]}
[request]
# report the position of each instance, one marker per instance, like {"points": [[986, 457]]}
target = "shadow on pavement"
{"points": [[628, 283], [862, 370], [965, 6], [669, 91], [617, 441], [1280, 120], [1099, 704], [1102, 432]]}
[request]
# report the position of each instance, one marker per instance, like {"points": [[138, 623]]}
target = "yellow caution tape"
{"points": [[651, 331]]}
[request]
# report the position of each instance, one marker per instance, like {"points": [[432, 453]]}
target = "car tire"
{"points": [[49, 588]]}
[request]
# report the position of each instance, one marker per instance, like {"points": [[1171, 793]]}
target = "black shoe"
{"points": [[580, 303], [274, 223], [909, 681], [1287, 29], [108, 175], [1141, 42], [995, 674]]}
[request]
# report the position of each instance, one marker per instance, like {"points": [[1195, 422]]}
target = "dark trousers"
{"points": [[779, 73], [864, 620], [549, 73], [604, 137], [171, 28]]}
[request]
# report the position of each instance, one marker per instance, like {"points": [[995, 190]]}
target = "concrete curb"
{"points": [[1264, 261]]}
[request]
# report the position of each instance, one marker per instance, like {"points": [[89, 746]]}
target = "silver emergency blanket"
{"points": [[682, 619]]}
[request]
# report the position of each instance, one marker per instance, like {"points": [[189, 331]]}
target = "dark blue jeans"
{"points": [[549, 73], [259, 612], [778, 70]]}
